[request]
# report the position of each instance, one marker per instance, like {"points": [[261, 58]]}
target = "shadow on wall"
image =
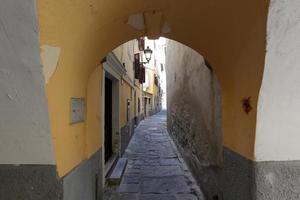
{"points": [[194, 115]]}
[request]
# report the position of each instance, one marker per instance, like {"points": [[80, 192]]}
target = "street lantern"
{"points": [[148, 54]]}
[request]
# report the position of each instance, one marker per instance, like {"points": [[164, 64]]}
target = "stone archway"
{"points": [[88, 30], [76, 35]]}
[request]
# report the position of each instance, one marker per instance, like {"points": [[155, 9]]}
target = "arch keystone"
{"points": [[153, 22]]}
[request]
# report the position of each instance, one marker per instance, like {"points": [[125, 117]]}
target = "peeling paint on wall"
{"points": [[153, 21], [50, 57], [136, 21], [166, 28], [246, 104]]}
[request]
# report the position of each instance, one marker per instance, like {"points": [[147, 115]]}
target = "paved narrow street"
{"points": [[155, 170]]}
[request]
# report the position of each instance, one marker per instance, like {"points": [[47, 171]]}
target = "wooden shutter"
{"points": [[136, 65], [156, 80], [142, 74], [141, 42]]}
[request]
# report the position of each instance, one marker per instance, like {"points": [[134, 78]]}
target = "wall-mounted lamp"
{"points": [[139, 68], [148, 54]]}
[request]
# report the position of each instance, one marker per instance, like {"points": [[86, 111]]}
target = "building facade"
{"points": [[153, 90], [126, 99]]}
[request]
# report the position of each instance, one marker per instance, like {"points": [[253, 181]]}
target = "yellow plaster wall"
{"points": [[150, 76], [139, 95], [234, 42], [125, 55], [76, 27], [229, 34], [94, 119], [125, 94]]}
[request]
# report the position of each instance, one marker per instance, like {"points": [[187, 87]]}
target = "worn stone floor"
{"points": [[155, 169]]}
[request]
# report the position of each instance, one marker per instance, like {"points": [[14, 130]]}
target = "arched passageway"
{"points": [[74, 36], [235, 46], [194, 122]]}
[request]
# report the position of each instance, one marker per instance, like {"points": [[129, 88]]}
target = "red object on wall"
{"points": [[247, 105]]}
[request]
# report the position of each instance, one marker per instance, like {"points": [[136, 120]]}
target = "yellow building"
{"points": [[152, 86], [130, 96], [125, 100], [152, 92]]}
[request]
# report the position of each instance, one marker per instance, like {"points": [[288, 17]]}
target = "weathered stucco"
{"points": [[94, 121], [38, 182], [24, 124], [279, 106], [268, 180], [277, 149], [50, 58], [277, 180], [194, 115]]}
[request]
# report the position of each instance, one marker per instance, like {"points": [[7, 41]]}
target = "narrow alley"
{"points": [[155, 169], [83, 84]]}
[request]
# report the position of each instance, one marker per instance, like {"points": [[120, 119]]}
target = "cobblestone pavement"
{"points": [[155, 170]]}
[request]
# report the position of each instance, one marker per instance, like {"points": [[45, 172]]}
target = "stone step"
{"points": [[116, 175]]}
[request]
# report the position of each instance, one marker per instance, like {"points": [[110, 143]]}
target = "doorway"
{"points": [[145, 106], [108, 126]]}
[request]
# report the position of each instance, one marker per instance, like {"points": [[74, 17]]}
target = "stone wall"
{"points": [[238, 176], [277, 180], [30, 182], [194, 115], [85, 181], [42, 182], [126, 133]]}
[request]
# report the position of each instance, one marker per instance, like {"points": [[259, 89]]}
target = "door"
{"points": [[108, 119]]}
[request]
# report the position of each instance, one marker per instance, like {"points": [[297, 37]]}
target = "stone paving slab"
{"points": [[131, 180], [129, 188], [186, 197], [155, 169], [169, 161], [169, 185], [157, 197], [162, 171], [128, 197]]}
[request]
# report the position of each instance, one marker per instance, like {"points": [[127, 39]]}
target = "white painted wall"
{"points": [[278, 124], [24, 125]]}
